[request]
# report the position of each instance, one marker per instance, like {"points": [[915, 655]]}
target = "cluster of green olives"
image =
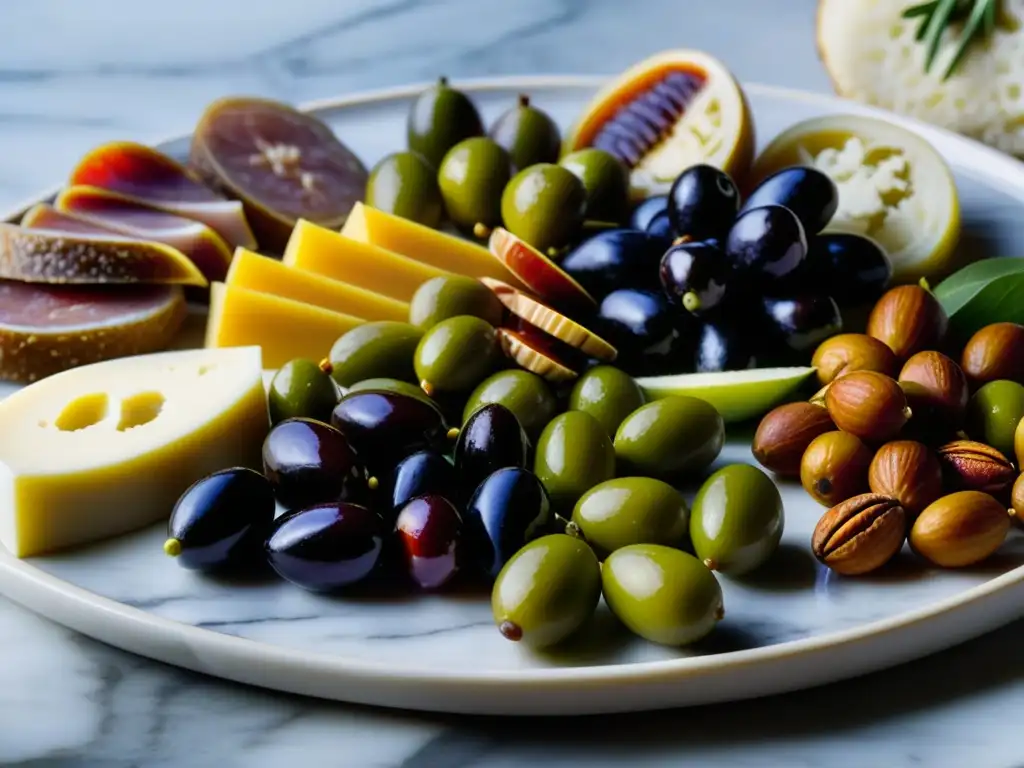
{"points": [[514, 175]]}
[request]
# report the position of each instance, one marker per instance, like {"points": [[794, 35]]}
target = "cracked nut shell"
{"points": [[970, 465], [868, 404], [849, 352], [907, 471], [785, 432], [835, 467], [960, 529], [860, 535], [908, 319]]}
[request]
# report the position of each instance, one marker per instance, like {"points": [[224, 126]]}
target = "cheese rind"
{"points": [[424, 244], [262, 273], [115, 466], [323, 251], [283, 328]]}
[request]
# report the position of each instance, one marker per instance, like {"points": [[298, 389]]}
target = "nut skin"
{"points": [[960, 529], [995, 352], [860, 535], [835, 467], [784, 434], [868, 404], [850, 352], [908, 319], [1017, 500], [907, 471], [936, 389], [968, 465]]}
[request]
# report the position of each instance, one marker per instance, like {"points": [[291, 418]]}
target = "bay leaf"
{"points": [[963, 285], [998, 300]]}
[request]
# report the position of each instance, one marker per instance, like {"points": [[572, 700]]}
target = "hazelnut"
{"points": [[850, 352], [908, 319], [970, 465], [995, 352], [936, 388], [784, 434], [868, 404], [960, 529], [907, 471], [860, 535], [835, 467]]}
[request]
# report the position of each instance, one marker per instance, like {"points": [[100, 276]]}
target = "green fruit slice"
{"points": [[737, 395]]}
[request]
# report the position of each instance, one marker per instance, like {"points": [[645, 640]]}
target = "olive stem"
{"points": [[427, 387], [923, 282], [710, 564], [682, 239], [373, 483], [326, 367], [907, 413], [572, 529], [511, 631], [481, 230], [720, 613], [524, 100], [172, 547], [691, 301], [442, 81], [453, 433]]}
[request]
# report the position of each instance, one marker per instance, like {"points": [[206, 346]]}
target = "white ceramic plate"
{"points": [[800, 626]]}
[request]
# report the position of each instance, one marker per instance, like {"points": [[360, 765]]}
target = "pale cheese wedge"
{"points": [[108, 448]]}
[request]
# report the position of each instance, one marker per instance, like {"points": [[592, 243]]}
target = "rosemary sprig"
{"points": [[936, 16]]}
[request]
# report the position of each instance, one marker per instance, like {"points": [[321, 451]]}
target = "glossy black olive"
{"points": [[308, 462], [696, 275], [767, 242], [508, 509], [647, 210], [651, 335], [703, 202], [429, 532], [850, 268], [492, 438], [326, 547], [616, 258], [801, 323], [661, 227], [422, 473], [385, 427], [723, 347], [806, 191], [221, 521]]}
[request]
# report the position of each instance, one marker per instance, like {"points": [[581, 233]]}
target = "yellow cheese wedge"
{"points": [[104, 449], [424, 244], [261, 273], [284, 328], [325, 252]]}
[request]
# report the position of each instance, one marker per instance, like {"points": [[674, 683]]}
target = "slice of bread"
{"points": [[872, 56]]}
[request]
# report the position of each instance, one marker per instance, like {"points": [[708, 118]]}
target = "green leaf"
{"points": [[986, 292], [960, 287]]}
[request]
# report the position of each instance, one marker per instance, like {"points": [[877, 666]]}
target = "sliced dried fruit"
{"points": [[149, 176], [538, 273], [675, 109], [45, 329], [49, 256], [45, 216], [893, 187], [204, 247], [283, 164], [544, 318], [533, 352]]}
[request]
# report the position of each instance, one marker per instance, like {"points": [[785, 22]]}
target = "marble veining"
{"points": [[76, 74]]}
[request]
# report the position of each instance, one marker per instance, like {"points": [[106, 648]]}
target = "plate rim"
{"points": [[35, 585]]}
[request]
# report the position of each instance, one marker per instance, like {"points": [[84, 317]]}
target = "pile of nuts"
{"points": [[902, 443]]}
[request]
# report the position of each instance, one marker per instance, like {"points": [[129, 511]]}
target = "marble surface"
{"points": [[73, 74]]}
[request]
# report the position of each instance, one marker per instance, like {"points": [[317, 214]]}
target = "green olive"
{"points": [[383, 348], [544, 205], [450, 296], [456, 355], [737, 519], [439, 119], [994, 412], [606, 181], [608, 394], [526, 394], [574, 453], [670, 439], [662, 594], [301, 389], [403, 183], [472, 177], [546, 591], [528, 134], [632, 510]]}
